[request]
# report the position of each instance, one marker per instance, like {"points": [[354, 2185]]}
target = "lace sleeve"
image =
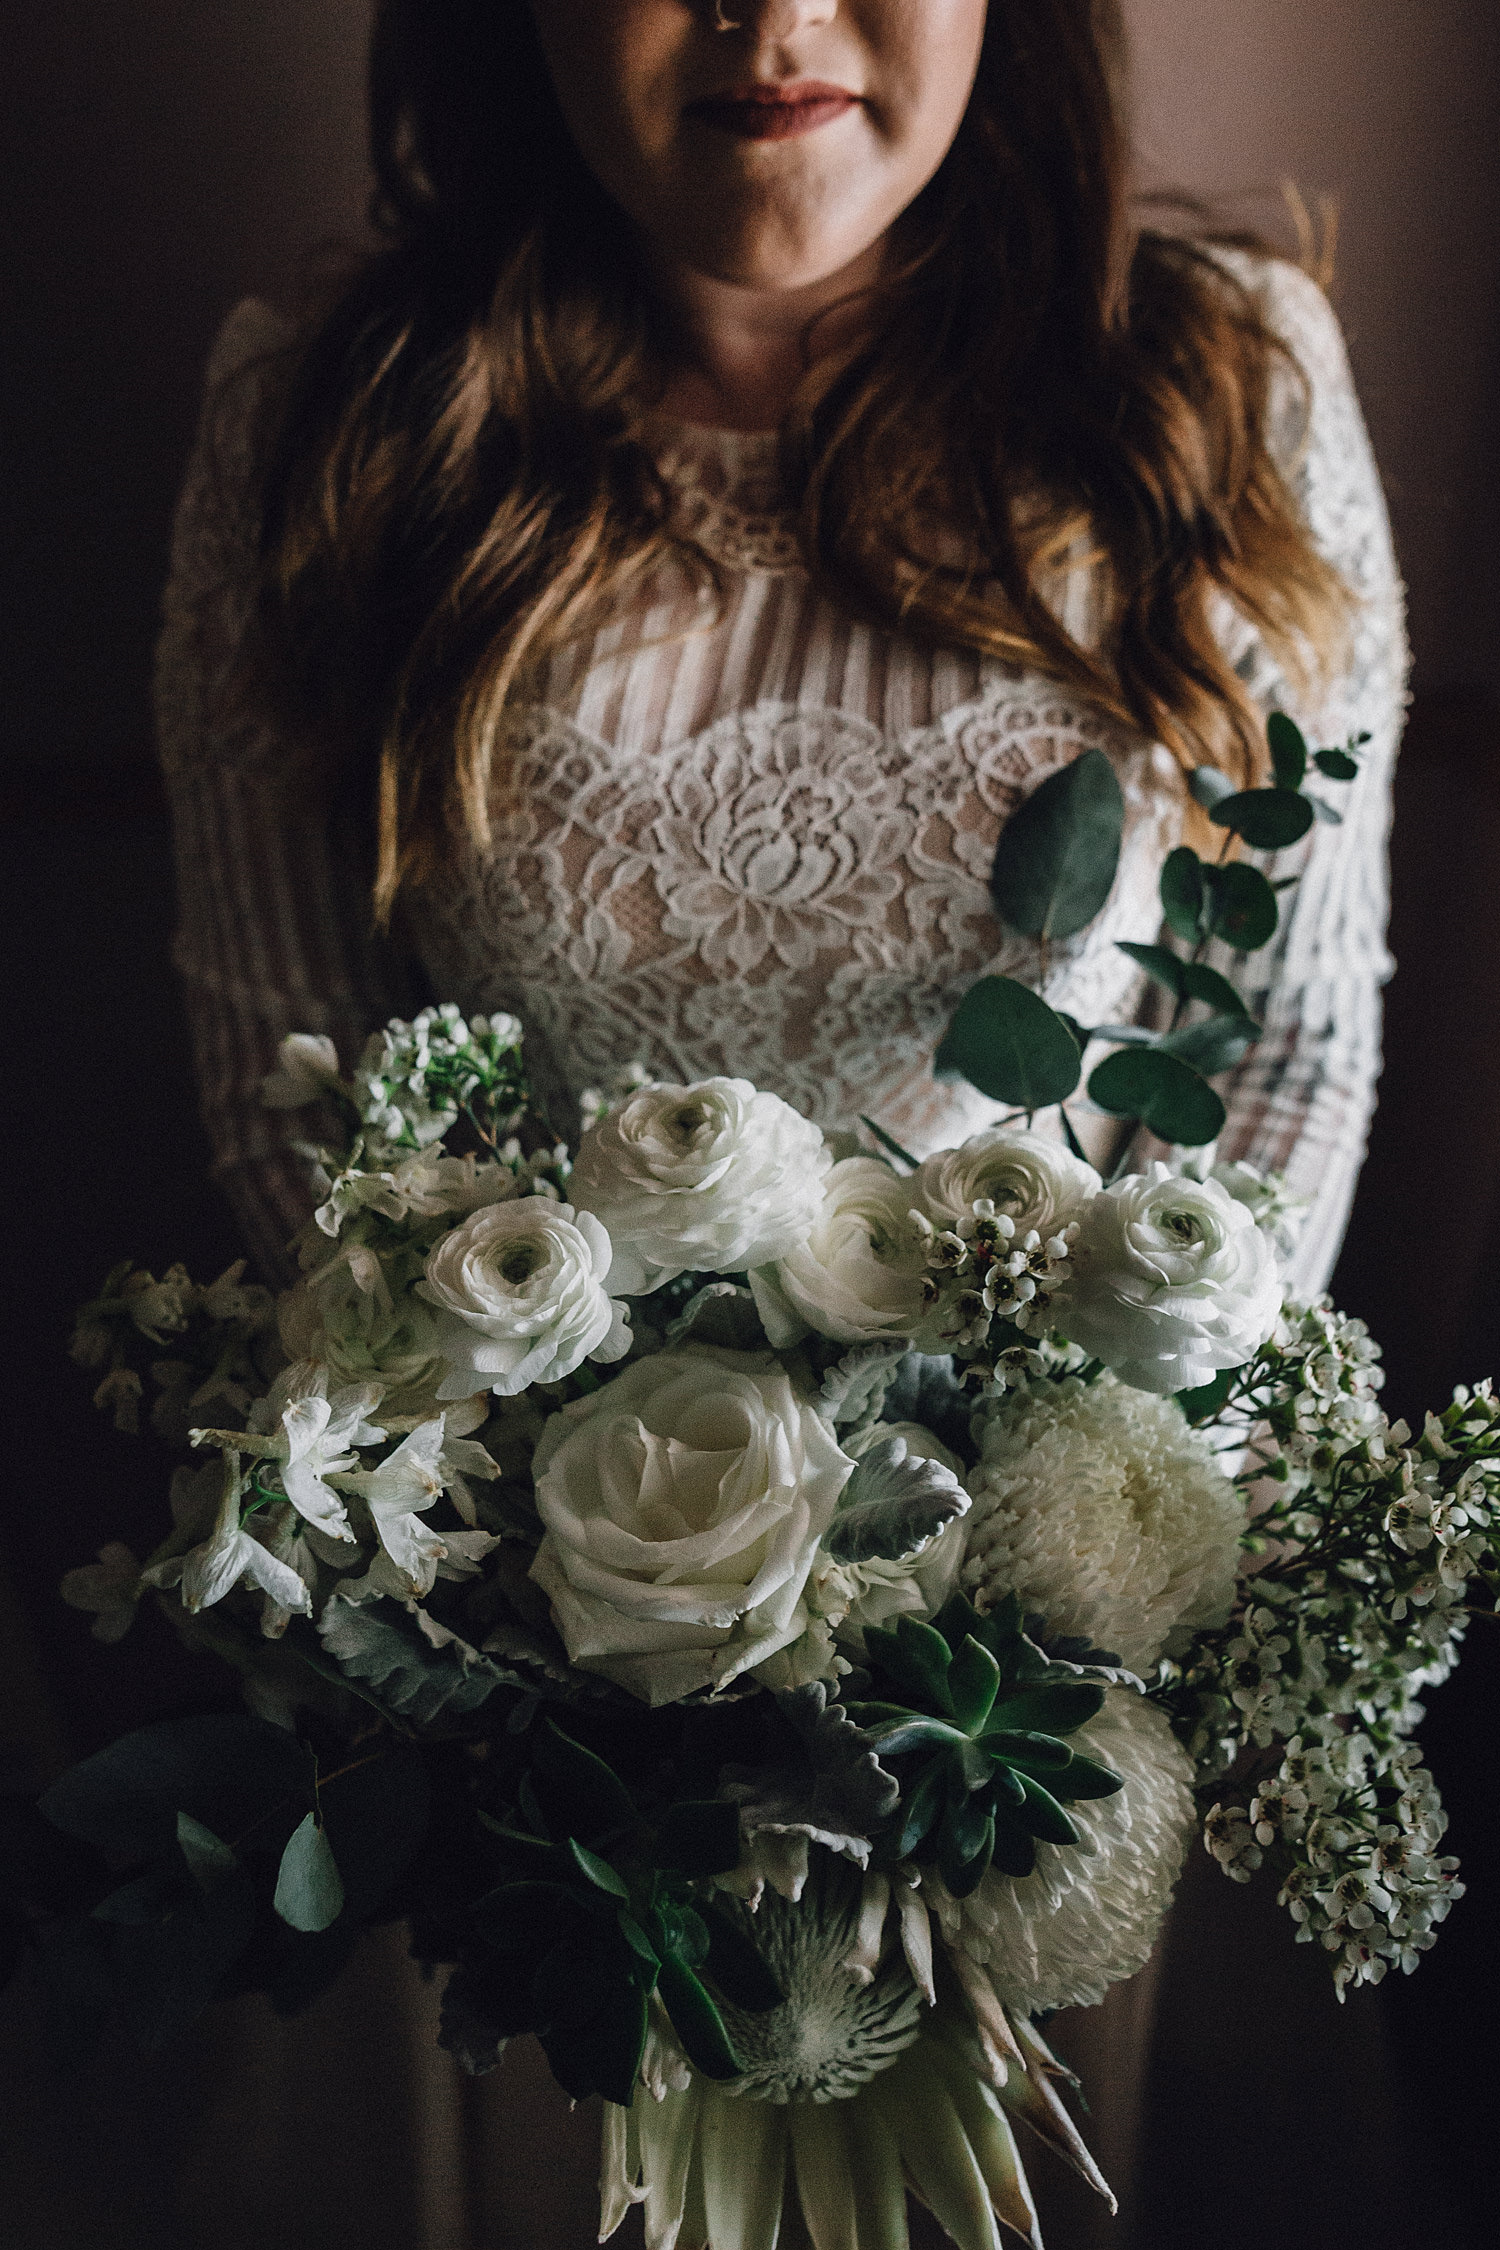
{"points": [[1302, 1099], [273, 922]]}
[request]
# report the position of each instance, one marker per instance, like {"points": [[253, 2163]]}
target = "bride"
{"points": [[763, 447]]}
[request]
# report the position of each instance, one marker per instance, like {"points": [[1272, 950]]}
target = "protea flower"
{"points": [[857, 2092]]}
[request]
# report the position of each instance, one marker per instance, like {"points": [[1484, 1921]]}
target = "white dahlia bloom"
{"points": [[858, 1275], [684, 1504], [521, 1298], [711, 1178], [1102, 1509], [1170, 1280], [1031, 1180], [1086, 1916]]}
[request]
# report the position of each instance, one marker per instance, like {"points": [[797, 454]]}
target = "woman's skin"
{"points": [[763, 164]]}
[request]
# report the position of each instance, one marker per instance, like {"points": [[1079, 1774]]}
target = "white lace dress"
{"points": [[753, 837]]}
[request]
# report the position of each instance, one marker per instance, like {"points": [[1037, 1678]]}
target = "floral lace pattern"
{"points": [[791, 897]]}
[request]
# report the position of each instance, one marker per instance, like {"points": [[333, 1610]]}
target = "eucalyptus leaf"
{"points": [[1160, 962], [1168, 1097], [1209, 1399], [168, 1971], [1202, 983], [309, 1887], [1214, 1045], [1182, 893], [1266, 819], [1337, 764], [209, 1859], [1288, 748], [892, 1505], [1057, 855], [225, 1770], [1242, 907], [1005, 1040]]}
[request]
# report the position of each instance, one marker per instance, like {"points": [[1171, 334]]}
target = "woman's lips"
{"points": [[774, 113]]}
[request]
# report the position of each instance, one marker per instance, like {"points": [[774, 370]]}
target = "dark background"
{"points": [[170, 156]]}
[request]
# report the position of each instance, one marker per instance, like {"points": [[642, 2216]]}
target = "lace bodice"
{"points": [[752, 835]]}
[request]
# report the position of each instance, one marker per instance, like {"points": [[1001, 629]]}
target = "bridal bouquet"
{"points": [[771, 1614]]}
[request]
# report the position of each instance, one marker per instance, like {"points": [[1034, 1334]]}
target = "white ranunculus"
{"points": [[1031, 1180], [1170, 1280], [684, 1503], [711, 1178], [1100, 1507], [520, 1297], [858, 1276], [1087, 1915]]}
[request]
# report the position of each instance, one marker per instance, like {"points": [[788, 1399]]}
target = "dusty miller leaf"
{"points": [[893, 1505], [835, 1793]]}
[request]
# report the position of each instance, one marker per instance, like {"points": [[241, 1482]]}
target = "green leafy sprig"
{"points": [[601, 1910], [1055, 865]]}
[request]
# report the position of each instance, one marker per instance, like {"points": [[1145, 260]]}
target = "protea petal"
{"points": [[744, 2172], [916, 2108], [1032, 2096]]}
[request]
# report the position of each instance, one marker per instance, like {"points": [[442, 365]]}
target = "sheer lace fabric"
{"points": [[753, 836]]}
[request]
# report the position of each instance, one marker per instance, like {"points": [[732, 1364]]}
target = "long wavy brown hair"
{"points": [[457, 478]]}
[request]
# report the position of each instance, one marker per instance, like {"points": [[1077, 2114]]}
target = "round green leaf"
{"points": [[1168, 1097], [1214, 1045], [1288, 750], [1006, 1041], [1200, 983], [1160, 962], [1056, 859], [1337, 764], [1182, 893], [1242, 907], [309, 1888], [1267, 819]]}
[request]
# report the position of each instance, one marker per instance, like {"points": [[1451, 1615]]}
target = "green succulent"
{"points": [[575, 1943], [970, 1714]]}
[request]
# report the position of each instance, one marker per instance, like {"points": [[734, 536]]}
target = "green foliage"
{"points": [[1057, 855], [309, 1888], [1006, 1041], [228, 1881], [892, 1505], [413, 1679], [1267, 819], [972, 1716], [1239, 906], [1187, 980], [1165, 1093], [1337, 764], [1182, 894], [1288, 749], [602, 1908], [1211, 1046]]}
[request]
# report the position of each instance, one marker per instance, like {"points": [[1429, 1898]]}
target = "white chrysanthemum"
{"points": [[1087, 1915], [1100, 1507]]}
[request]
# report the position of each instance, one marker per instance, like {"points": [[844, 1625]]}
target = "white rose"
{"points": [[711, 1178], [684, 1503], [858, 1276], [1031, 1180], [519, 1290], [1170, 1280]]}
